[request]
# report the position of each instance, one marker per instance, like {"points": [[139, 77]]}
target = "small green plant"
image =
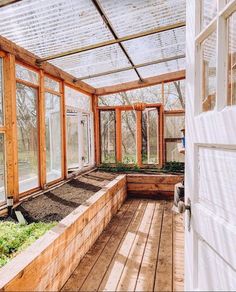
{"points": [[16, 237], [174, 166]]}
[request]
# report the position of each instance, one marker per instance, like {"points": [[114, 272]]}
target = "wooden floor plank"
{"points": [[146, 277], [178, 253], [77, 278], [115, 269], [101, 267], [142, 249], [163, 280], [130, 272]]}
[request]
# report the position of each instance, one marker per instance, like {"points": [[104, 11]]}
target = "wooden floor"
{"points": [[140, 250]]}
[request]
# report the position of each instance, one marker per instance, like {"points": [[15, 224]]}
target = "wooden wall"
{"points": [[47, 263], [152, 186]]}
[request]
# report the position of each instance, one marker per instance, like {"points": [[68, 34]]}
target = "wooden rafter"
{"points": [[28, 58], [168, 77], [133, 67], [7, 2], [113, 41]]}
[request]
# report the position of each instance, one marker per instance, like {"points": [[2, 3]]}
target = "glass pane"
{"points": [[26, 74], [172, 152], [173, 126], [51, 84], [53, 137], [152, 94], [77, 99], [174, 95], [208, 11], [27, 134], [128, 128], [1, 92], [232, 60], [2, 169], [72, 140], [209, 73], [86, 136], [150, 136], [108, 136]]}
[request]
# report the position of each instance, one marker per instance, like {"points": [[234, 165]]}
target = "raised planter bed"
{"points": [[49, 261], [159, 186]]}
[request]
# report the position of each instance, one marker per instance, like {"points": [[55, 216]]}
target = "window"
{"points": [[108, 136], [72, 127], [51, 84], [2, 169], [128, 128], [231, 60], [1, 92], [208, 72], [26, 74], [53, 137], [174, 95], [77, 99], [86, 139], [150, 144], [27, 135]]}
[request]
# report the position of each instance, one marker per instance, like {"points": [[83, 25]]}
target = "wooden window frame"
{"points": [[138, 109]]}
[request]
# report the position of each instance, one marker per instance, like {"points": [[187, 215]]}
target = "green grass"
{"points": [[15, 237]]}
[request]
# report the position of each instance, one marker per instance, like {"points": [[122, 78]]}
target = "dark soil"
{"points": [[55, 204]]}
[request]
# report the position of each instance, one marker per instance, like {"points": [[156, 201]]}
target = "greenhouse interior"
{"points": [[117, 145]]}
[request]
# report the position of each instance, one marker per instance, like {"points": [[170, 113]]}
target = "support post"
{"points": [[11, 127], [96, 129], [42, 131], [139, 136], [118, 136], [161, 137], [63, 130]]}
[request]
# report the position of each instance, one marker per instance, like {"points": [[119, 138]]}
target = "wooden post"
{"points": [[118, 136], [63, 131], [11, 127], [96, 129], [42, 131], [139, 137], [161, 137]]}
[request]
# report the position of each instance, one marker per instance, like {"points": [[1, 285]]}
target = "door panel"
{"points": [[210, 176]]}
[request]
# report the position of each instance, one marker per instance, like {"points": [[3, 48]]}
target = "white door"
{"points": [[210, 182]]}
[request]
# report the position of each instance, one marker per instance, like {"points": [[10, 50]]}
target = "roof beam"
{"points": [[28, 58], [168, 77], [112, 30], [133, 67], [7, 2], [114, 41]]}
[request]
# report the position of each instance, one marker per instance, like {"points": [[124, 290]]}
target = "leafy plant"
{"points": [[16, 237], [174, 166]]}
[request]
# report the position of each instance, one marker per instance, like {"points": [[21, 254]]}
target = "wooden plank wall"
{"points": [[48, 263], [152, 186]]}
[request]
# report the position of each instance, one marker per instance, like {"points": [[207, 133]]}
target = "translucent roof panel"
{"points": [[94, 61], [113, 79], [162, 68], [49, 27], [128, 16], [158, 46]]}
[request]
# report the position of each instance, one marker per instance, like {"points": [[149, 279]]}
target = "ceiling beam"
{"points": [[133, 67], [112, 30], [28, 58], [114, 41], [168, 77], [7, 2]]}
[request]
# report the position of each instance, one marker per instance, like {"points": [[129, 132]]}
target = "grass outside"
{"points": [[16, 237]]}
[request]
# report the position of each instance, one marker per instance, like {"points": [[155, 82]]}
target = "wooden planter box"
{"points": [[157, 186], [48, 262]]}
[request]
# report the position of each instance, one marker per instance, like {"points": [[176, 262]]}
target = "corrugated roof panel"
{"points": [[162, 68], [128, 16], [49, 27], [113, 79], [93, 62], [158, 46]]}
